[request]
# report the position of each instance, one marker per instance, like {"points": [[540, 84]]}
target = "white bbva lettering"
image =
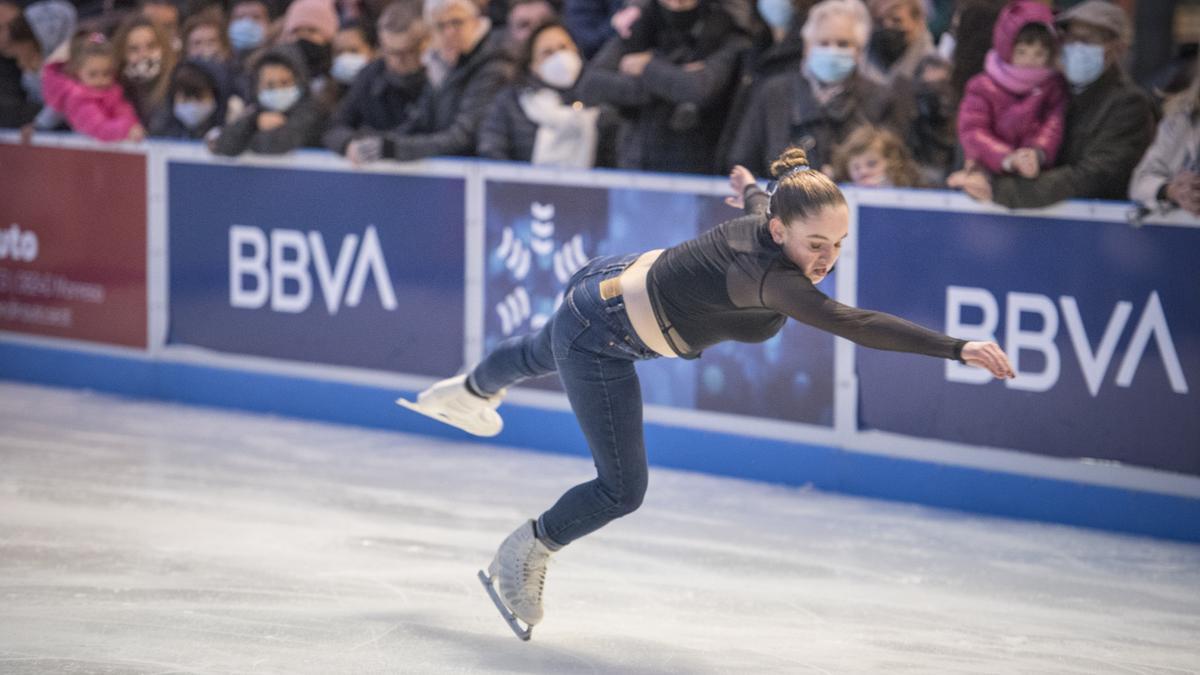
{"points": [[1093, 364], [291, 252]]}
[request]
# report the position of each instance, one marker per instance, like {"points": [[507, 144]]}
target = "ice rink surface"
{"points": [[139, 537]]}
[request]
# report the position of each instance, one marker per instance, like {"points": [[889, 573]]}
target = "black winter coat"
{"points": [[672, 115], [508, 133], [373, 104], [448, 116]]}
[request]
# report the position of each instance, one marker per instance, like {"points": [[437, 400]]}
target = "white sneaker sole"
{"points": [[477, 428]]}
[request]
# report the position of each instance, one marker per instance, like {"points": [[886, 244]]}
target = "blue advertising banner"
{"points": [[538, 235], [1100, 320], [351, 269]]}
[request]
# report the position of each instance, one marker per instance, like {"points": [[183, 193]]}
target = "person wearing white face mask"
{"points": [[145, 63], [282, 116], [353, 49], [817, 105], [1108, 126], [198, 96], [384, 94], [538, 118]]}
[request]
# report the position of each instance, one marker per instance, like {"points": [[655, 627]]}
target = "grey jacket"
{"points": [[1176, 147]]}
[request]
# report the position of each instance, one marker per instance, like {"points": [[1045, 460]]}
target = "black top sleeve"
{"points": [[787, 291]]}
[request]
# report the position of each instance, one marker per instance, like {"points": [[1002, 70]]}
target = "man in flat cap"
{"points": [[1109, 121]]}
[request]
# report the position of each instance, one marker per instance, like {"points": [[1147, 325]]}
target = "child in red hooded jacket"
{"points": [[1011, 116], [85, 91]]}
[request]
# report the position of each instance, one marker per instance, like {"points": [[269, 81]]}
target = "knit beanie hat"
{"points": [[52, 23]]}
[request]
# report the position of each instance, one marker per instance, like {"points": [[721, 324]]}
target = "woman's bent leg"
{"points": [[607, 400]]}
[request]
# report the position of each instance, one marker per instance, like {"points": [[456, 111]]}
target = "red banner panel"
{"points": [[73, 244]]}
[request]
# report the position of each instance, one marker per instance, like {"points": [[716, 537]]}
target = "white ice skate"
{"points": [[451, 402], [516, 577]]}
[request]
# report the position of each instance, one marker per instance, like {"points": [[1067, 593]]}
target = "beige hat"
{"points": [[1102, 14]]}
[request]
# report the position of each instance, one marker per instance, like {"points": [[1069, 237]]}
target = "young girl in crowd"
{"points": [[85, 91], [1011, 117], [874, 157]]}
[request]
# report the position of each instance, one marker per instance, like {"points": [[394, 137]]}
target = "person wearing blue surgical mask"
{"points": [[198, 99], [1108, 126], [778, 49], [824, 98], [281, 116], [248, 24]]}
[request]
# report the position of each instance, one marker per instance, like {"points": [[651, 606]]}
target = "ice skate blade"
{"points": [[513, 622], [418, 408]]}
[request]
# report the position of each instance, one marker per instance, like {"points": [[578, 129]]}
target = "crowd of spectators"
{"points": [[1021, 103]]}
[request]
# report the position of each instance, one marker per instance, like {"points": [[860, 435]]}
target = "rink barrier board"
{"points": [[785, 463], [1123, 498]]}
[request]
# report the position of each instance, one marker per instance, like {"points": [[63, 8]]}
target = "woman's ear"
{"points": [[775, 225]]}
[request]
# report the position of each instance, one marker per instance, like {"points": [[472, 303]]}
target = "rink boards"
{"points": [[303, 287]]}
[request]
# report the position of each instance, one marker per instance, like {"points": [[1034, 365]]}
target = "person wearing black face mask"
{"points": [[671, 79], [311, 25], [899, 40], [384, 95]]}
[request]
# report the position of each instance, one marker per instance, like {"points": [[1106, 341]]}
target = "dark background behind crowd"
{"points": [[1020, 102]]}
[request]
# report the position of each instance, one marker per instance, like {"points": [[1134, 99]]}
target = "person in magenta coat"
{"points": [[1011, 116], [85, 91]]}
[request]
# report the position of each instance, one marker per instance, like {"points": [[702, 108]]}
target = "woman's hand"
{"points": [[1184, 190], [988, 355], [739, 179]]}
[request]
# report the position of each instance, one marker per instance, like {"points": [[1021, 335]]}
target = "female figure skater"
{"points": [[739, 281]]}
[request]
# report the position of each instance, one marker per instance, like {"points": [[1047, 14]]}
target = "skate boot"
{"points": [[516, 577], [451, 402]]}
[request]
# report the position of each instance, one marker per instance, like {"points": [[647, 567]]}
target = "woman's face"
{"points": [[813, 244], [142, 45], [838, 31], [549, 42]]}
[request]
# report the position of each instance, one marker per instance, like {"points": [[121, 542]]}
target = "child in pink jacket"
{"points": [[85, 91], [1011, 116]]}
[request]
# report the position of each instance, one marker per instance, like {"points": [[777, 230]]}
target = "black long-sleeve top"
{"points": [[735, 283]]}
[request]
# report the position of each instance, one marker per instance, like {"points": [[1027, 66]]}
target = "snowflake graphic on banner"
{"points": [[538, 267]]}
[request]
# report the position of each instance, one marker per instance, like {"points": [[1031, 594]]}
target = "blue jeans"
{"points": [[592, 345]]}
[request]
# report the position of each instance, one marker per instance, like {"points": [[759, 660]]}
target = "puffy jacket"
{"points": [[100, 113], [994, 120]]}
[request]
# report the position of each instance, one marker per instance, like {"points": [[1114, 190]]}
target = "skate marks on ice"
{"points": [[142, 537]]}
